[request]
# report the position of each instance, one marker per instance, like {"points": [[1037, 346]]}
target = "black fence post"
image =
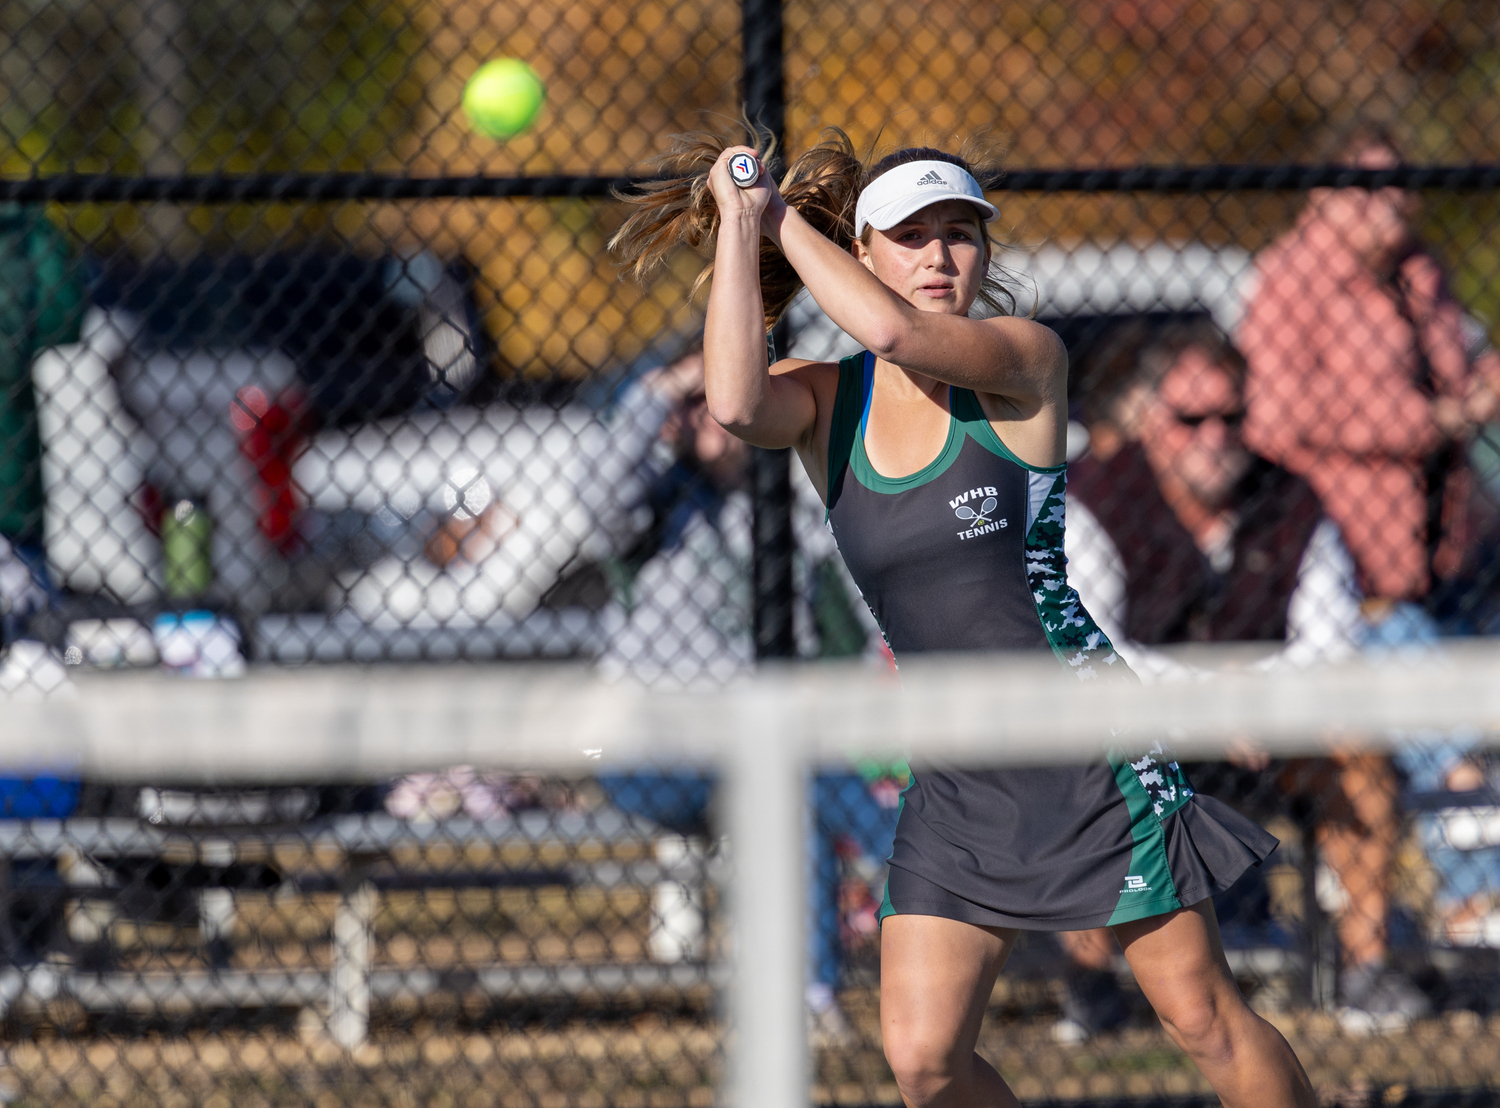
{"points": [[765, 105]]}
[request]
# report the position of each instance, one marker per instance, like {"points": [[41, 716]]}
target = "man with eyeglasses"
{"points": [[1177, 532]]}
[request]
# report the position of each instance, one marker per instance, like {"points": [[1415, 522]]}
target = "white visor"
{"points": [[909, 188]]}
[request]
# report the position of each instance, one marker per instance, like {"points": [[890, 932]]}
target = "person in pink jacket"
{"points": [[1364, 382]]}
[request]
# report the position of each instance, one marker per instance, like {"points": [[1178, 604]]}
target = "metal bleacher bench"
{"points": [[358, 857]]}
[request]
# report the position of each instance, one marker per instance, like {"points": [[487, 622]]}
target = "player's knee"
{"points": [[923, 1069], [1199, 1020]]}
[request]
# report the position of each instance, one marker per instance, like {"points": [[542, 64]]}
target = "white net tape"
{"points": [[348, 723]]}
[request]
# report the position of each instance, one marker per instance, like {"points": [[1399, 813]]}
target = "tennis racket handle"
{"points": [[744, 170]]}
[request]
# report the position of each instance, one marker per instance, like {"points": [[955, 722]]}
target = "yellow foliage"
{"points": [[1047, 82]]}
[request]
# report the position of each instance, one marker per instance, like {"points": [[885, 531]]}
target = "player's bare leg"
{"points": [[936, 976], [1179, 964], [1358, 837]]}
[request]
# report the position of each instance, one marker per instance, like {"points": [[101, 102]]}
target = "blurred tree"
{"points": [[202, 86], [279, 84], [160, 61], [169, 86], [621, 77]]}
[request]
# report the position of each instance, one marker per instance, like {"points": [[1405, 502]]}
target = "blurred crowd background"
{"points": [[286, 432]]}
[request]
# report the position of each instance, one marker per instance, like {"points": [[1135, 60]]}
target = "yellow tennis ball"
{"points": [[503, 97]]}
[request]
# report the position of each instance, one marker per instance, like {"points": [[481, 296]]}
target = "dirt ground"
{"points": [[460, 1052], [660, 1061]]}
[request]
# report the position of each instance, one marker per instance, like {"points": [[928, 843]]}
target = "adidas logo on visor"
{"points": [[931, 178]]}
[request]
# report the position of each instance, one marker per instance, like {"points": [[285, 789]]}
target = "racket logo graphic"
{"points": [[963, 511], [744, 170]]}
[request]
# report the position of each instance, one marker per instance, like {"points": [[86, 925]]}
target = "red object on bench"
{"points": [[270, 439]]}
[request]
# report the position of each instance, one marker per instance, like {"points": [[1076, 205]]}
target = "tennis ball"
{"points": [[503, 97]]}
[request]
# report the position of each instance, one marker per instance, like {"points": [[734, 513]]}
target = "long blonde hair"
{"points": [[823, 184]]}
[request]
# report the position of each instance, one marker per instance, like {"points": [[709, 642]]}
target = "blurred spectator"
{"points": [[1452, 784], [1364, 382], [683, 613], [1367, 379], [529, 496], [1178, 533], [1455, 785], [684, 616], [655, 489], [499, 551], [41, 303]]}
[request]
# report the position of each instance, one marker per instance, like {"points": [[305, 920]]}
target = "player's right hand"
{"points": [[733, 200]]}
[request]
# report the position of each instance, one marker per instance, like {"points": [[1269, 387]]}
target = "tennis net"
{"points": [[527, 885]]}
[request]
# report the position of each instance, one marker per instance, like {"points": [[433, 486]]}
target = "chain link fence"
{"points": [[298, 366]]}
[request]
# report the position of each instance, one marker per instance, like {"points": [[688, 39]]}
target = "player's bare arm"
{"points": [[1005, 356], [764, 409]]}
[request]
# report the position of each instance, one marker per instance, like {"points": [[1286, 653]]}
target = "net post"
{"points": [[764, 88], [766, 793], [349, 983], [764, 80], [772, 525], [1318, 944]]}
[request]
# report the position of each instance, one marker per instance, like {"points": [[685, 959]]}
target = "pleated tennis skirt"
{"points": [[1063, 849]]}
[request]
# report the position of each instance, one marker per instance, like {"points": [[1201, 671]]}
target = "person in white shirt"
{"points": [[1177, 532]]}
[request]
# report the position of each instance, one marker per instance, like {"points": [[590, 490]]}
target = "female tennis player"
{"points": [[939, 454]]}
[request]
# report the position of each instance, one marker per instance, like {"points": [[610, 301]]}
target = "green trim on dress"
{"points": [[846, 447], [866, 474], [1148, 886], [968, 411], [886, 907], [848, 406]]}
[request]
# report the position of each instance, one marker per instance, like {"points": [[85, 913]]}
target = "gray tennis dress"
{"points": [[967, 554]]}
